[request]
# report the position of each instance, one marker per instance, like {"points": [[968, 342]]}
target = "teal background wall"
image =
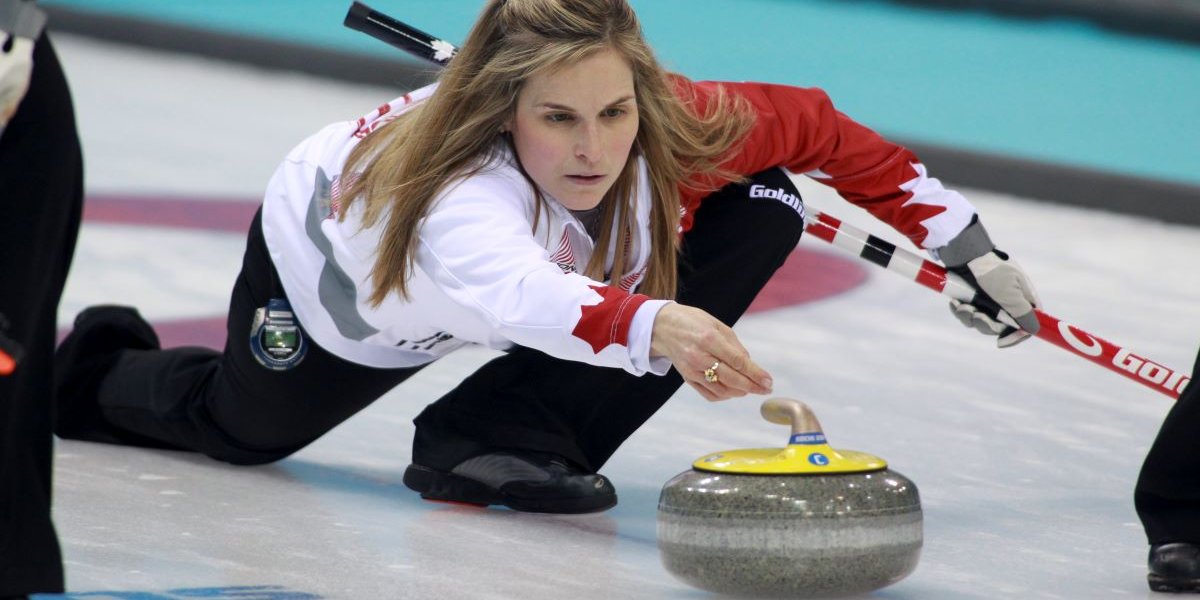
{"points": [[1060, 90]]}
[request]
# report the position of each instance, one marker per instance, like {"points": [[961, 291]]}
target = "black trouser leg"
{"points": [[1167, 495], [41, 192], [226, 404], [529, 400]]}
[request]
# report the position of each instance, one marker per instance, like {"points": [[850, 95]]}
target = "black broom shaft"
{"points": [[405, 37]]}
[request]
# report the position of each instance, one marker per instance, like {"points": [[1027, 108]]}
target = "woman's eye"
{"points": [[613, 112], [558, 117]]}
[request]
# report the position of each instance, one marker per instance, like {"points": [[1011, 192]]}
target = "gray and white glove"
{"points": [[1000, 283], [20, 24]]}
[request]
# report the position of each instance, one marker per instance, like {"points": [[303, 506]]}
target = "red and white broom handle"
{"points": [[935, 277], [885, 254]]}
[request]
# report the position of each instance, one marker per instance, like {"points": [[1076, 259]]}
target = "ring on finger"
{"points": [[710, 374]]}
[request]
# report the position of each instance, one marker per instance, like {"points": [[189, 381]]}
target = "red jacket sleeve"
{"points": [[800, 130]]}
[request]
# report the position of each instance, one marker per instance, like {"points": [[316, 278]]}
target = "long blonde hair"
{"points": [[405, 164]]}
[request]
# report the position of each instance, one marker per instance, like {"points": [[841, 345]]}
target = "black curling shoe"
{"points": [[524, 481], [1175, 567], [82, 361]]}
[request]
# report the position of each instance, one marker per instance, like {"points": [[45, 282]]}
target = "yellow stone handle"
{"points": [[786, 411]]}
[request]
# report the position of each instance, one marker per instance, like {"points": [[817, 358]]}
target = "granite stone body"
{"points": [[792, 536]]}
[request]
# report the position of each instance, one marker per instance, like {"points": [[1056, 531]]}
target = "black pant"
{"points": [[1167, 495], [41, 194], [226, 404], [231, 408]]}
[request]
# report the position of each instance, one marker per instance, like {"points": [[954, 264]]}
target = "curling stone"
{"points": [[800, 522]]}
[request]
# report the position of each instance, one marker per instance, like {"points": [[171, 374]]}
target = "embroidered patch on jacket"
{"points": [[275, 340], [564, 255]]}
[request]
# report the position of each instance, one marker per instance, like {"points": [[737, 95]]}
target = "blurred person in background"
{"points": [[41, 196], [1167, 495]]}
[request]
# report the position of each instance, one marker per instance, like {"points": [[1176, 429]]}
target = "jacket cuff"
{"points": [[640, 332]]}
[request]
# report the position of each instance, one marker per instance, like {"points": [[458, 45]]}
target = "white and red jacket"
{"points": [[483, 275]]}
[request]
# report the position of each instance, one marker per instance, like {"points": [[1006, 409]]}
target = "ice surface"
{"points": [[1025, 458]]}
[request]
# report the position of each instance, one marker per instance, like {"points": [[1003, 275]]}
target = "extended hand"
{"points": [[707, 353], [1002, 286], [1001, 283]]}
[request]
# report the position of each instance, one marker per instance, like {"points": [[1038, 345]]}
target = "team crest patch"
{"points": [[275, 340]]}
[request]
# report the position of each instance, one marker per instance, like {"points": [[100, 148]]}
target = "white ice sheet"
{"points": [[1025, 458]]}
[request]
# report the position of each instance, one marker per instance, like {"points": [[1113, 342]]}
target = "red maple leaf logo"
{"points": [[607, 323]]}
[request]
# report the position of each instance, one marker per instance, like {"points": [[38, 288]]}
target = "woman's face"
{"points": [[574, 128]]}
